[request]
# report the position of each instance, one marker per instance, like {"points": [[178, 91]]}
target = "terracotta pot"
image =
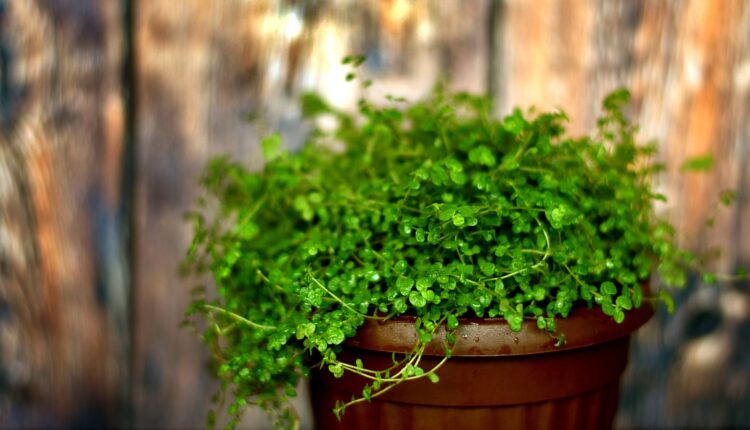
{"points": [[496, 379]]}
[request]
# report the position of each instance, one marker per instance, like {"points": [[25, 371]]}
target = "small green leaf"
{"points": [[487, 267], [334, 336], [458, 220], [416, 299], [558, 216], [400, 267], [541, 322], [428, 295], [420, 235], [482, 155], [433, 377], [608, 288], [271, 146], [637, 296], [447, 213], [624, 302], [452, 322], [404, 284], [409, 370], [424, 283], [515, 321], [458, 177], [586, 293], [336, 369], [665, 297], [367, 392]]}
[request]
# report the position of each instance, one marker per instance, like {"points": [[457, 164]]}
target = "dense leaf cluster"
{"points": [[435, 209]]}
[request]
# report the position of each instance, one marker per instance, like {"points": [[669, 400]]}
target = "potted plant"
{"points": [[430, 265]]}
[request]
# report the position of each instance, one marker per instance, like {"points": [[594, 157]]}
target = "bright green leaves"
{"points": [[452, 322], [608, 288], [447, 212], [334, 335], [424, 283], [313, 105], [458, 219], [303, 206], [276, 341], [487, 267], [455, 171], [637, 296], [438, 175], [271, 147], [587, 292], [515, 320], [615, 101], [624, 302], [667, 299], [482, 155], [433, 209], [541, 323], [458, 216], [404, 285], [305, 330], [515, 123], [400, 267], [560, 215], [336, 369], [420, 235], [417, 300]]}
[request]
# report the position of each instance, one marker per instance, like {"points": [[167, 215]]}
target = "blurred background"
{"points": [[110, 108]]}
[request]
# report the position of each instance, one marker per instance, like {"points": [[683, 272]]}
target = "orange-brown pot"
{"points": [[496, 378]]}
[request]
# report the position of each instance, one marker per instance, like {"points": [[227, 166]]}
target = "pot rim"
{"points": [[492, 337]]}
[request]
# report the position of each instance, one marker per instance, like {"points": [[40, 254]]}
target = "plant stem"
{"points": [[238, 318]]}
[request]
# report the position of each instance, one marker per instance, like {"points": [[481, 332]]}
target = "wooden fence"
{"points": [[110, 108]]}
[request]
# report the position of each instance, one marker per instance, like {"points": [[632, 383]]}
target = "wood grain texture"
{"points": [[60, 347], [200, 69], [692, 99]]}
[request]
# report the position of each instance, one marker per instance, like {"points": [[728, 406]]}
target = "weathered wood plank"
{"points": [[200, 68], [691, 100], [61, 354]]}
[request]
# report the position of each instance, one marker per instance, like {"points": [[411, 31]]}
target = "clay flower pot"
{"points": [[496, 378]]}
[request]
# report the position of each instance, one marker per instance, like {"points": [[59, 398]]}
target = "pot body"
{"points": [[496, 378]]}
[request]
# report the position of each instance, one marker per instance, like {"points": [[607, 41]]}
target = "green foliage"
{"points": [[434, 209]]}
